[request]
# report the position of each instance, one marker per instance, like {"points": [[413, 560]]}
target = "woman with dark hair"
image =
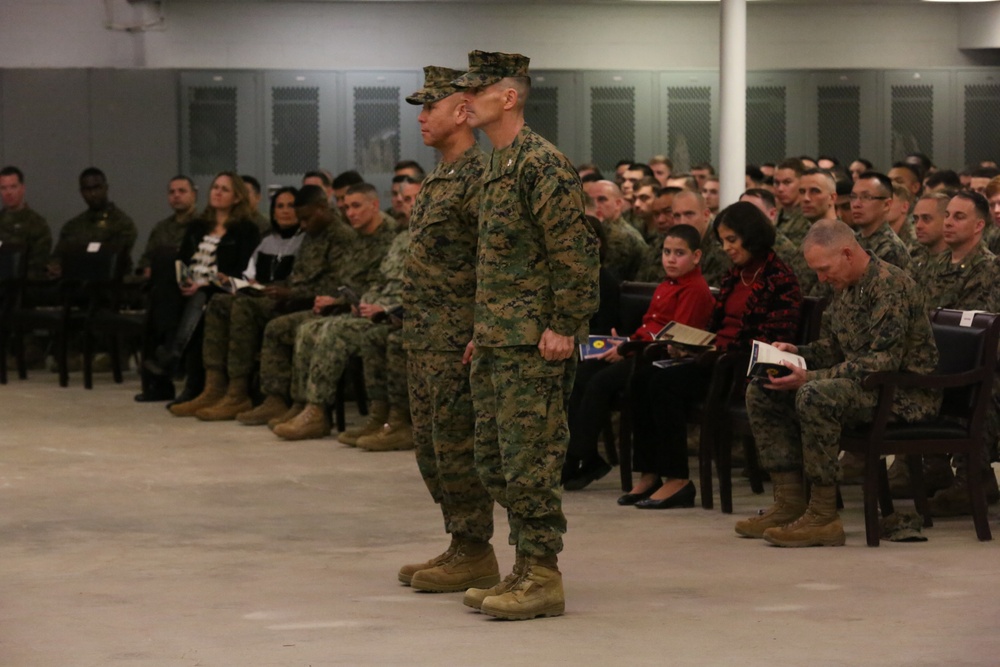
{"points": [[759, 299], [217, 244]]}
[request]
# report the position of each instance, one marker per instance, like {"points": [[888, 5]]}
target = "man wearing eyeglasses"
{"points": [[871, 198]]}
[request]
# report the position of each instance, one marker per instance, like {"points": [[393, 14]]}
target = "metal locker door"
{"points": [[918, 105], [976, 127], [689, 118], [842, 117], [618, 109]]}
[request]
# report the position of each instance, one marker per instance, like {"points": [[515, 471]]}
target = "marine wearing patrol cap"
{"points": [[488, 67], [437, 85]]}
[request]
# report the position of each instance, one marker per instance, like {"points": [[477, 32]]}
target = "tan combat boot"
{"points": [[789, 505], [820, 526], [474, 596], [272, 407], [214, 391], [286, 416], [539, 592], [473, 565], [377, 414], [407, 571], [395, 434], [235, 401], [310, 424], [954, 500]]}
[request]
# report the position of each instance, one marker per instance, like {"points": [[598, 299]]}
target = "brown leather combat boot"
{"points": [[214, 391], [789, 505], [820, 526], [473, 565]]}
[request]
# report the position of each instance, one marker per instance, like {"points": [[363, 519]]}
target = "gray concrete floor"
{"points": [[130, 537]]}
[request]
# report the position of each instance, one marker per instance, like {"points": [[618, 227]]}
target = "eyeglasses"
{"points": [[865, 197]]}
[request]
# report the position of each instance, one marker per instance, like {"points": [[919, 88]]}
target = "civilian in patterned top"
{"points": [[439, 291], [21, 225], [759, 299], [682, 297], [626, 246], [871, 198], [876, 322], [537, 286], [102, 222]]}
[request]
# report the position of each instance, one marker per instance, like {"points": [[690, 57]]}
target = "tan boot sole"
{"points": [[488, 581], [556, 609], [837, 540]]}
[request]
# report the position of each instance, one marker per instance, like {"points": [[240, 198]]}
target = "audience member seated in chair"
{"points": [[683, 297], [759, 299], [216, 245], [876, 322]]}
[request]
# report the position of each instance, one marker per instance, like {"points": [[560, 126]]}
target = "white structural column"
{"points": [[732, 100]]}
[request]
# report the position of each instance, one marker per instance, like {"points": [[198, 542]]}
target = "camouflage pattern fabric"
{"points": [[322, 262], [968, 285], [991, 237], [885, 245], [443, 424], [879, 324], [110, 226], [907, 235], [360, 268], [30, 230], [625, 249], [387, 284], [715, 263], [793, 225], [793, 257], [651, 270], [167, 233], [920, 259], [323, 346], [276, 352], [384, 361]]}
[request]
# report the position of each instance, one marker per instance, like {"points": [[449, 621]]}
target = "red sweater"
{"points": [[686, 300]]}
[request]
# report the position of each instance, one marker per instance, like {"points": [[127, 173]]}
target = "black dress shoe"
{"points": [[633, 498], [682, 498], [590, 472], [152, 396]]}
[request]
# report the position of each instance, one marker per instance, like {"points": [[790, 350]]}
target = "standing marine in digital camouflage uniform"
{"points": [[20, 225], [536, 289], [102, 222], [439, 291], [322, 346], [234, 324], [876, 322]]}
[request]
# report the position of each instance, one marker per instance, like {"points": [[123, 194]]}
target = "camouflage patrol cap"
{"points": [[488, 67], [902, 527], [437, 85]]}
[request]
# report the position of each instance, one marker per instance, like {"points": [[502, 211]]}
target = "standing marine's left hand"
{"points": [[555, 347]]}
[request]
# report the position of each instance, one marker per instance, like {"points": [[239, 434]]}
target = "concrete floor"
{"points": [[130, 537]]}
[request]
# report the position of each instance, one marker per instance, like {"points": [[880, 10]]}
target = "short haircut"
{"points": [[942, 199], [649, 181], [622, 163], [712, 178], [909, 167], [884, 183], [829, 234], [647, 172], [93, 171], [661, 159], [251, 181], [979, 201], [323, 177], [754, 173], [793, 163], [590, 166], [686, 233], [179, 177], [993, 187], [522, 85], [844, 188], [668, 190], [410, 164], [694, 193], [11, 170], [280, 191], [765, 196], [750, 224], [832, 159], [592, 177], [925, 162], [405, 178], [703, 166], [985, 172], [690, 182], [867, 163], [901, 192], [347, 179], [366, 189], [309, 195], [946, 177]]}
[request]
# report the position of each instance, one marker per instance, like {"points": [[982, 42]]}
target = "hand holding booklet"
{"points": [[765, 362], [687, 338], [598, 345]]}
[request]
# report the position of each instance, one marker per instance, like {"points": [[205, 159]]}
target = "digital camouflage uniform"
{"points": [[110, 226], [167, 233], [878, 324], [885, 245], [439, 291], [907, 235], [308, 354], [651, 270], [625, 249], [714, 262], [793, 225], [991, 237], [793, 257], [234, 324], [920, 259], [28, 229], [537, 269]]}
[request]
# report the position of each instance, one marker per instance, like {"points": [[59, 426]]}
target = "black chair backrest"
{"points": [[635, 299], [811, 318], [963, 348], [12, 264], [86, 266]]}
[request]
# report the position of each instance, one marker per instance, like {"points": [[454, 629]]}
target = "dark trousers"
{"points": [[662, 399], [597, 387]]}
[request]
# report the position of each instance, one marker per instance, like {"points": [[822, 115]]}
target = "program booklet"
{"points": [[598, 345], [688, 338], [765, 361]]}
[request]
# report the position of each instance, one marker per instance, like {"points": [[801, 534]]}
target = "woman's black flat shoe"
{"points": [[682, 498], [633, 498]]}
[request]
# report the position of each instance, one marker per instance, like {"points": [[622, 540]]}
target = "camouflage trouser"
{"points": [[800, 430], [521, 440], [443, 427], [233, 328], [276, 352], [384, 362], [322, 349]]}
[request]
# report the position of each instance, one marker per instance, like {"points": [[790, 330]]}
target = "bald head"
{"points": [[689, 209], [832, 250], [608, 200]]}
